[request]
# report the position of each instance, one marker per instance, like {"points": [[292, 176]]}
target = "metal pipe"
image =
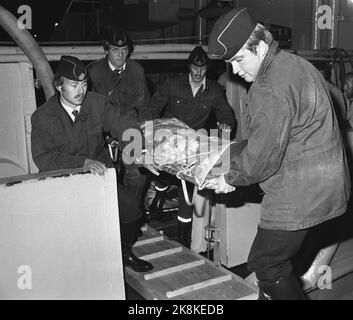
{"points": [[333, 33], [150, 51], [200, 22], [315, 34]]}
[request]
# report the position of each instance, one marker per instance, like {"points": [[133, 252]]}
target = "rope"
{"points": [[337, 55], [186, 195], [186, 170]]}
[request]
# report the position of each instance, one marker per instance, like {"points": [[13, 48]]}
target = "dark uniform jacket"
{"points": [[176, 96], [128, 90], [294, 148], [58, 143]]}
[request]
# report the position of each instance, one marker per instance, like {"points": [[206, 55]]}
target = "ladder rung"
{"points": [[197, 286], [148, 241], [170, 270], [161, 253]]}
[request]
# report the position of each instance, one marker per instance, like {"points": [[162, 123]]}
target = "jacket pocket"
{"points": [[179, 107], [319, 187], [278, 203]]}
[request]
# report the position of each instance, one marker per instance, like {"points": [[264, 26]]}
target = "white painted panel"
{"points": [[235, 230], [17, 103], [238, 228], [65, 231], [200, 221]]}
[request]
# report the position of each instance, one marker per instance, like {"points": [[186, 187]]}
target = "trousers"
{"points": [[272, 251], [130, 194], [185, 211]]}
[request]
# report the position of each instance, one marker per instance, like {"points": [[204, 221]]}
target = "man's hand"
{"points": [[224, 127], [94, 166], [219, 185]]}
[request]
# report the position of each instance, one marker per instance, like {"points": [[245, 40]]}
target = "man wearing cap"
{"points": [[67, 132], [123, 81], [294, 149], [192, 98], [119, 78]]}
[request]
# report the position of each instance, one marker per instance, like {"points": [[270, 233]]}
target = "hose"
{"points": [[31, 49]]}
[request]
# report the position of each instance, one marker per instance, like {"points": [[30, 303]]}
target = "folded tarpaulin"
{"points": [[188, 154]]}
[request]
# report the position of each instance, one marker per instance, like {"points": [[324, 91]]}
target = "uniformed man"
{"points": [[122, 81], [120, 78], [67, 132], [294, 149], [191, 98]]}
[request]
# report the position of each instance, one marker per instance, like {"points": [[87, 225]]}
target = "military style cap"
{"points": [[71, 68], [117, 38], [230, 33], [198, 57]]}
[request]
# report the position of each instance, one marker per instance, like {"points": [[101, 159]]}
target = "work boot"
{"points": [[184, 233], [128, 238], [286, 288], [136, 264]]}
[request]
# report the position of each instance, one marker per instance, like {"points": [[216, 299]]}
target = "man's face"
{"points": [[73, 92], [246, 64], [117, 56], [197, 73], [348, 88]]}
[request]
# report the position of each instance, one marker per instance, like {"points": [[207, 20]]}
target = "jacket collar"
{"points": [[272, 52], [109, 70], [58, 109], [187, 82], [112, 67]]}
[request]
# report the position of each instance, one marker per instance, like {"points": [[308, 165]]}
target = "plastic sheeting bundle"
{"points": [[188, 154]]}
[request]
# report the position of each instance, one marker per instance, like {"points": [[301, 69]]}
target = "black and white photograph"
{"points": [[176, 155]]}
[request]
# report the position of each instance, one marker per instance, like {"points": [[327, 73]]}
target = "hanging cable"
{"points": [[338, 58]]}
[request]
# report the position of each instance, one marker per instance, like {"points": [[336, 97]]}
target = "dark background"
{"points": [[44, 16]]}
